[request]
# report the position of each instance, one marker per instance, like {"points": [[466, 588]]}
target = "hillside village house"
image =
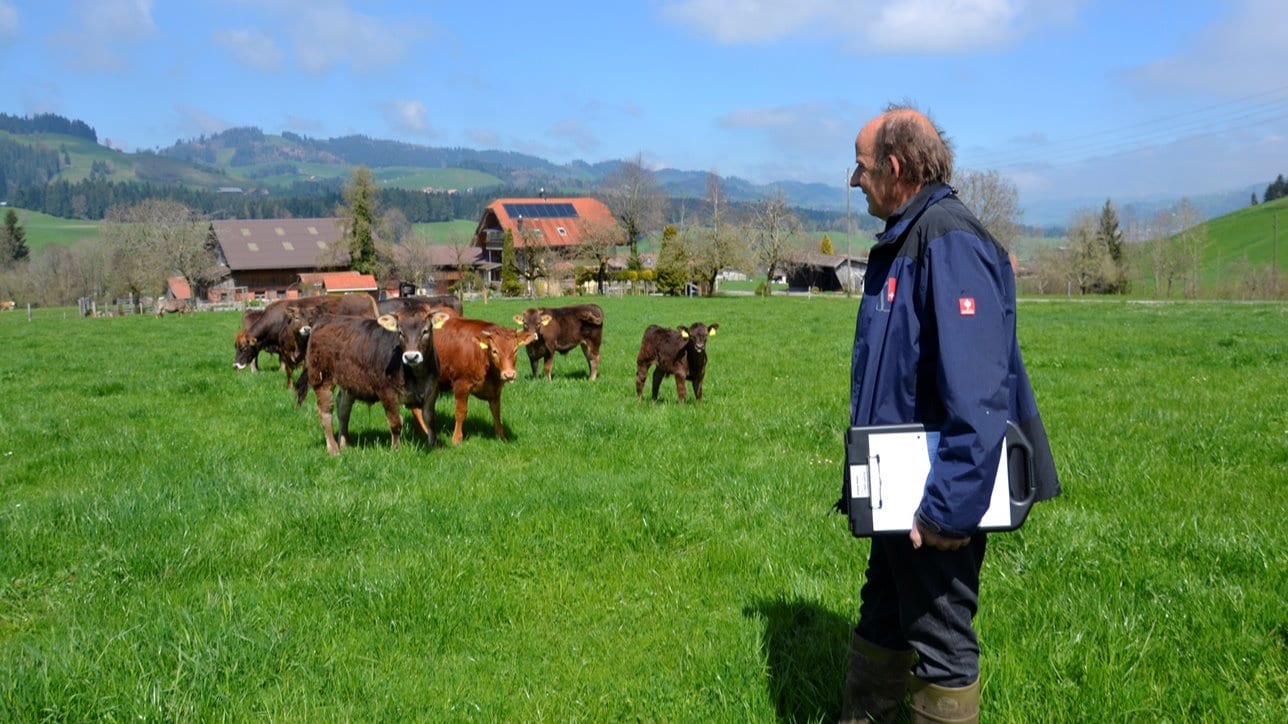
{"points": [[264, 258], [557, 225]]}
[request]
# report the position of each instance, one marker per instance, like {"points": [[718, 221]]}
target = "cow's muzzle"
{"points": [[413, 357]]}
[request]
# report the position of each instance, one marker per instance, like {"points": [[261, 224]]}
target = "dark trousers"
{"points": [[925, 600]]}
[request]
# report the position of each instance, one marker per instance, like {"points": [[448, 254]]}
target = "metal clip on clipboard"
{"points": [[886, 467]]}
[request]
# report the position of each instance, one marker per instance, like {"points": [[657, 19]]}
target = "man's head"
{"points": [[898, 153]]}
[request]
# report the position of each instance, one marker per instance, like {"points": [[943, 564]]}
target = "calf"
{"points": [[681, 352], [272, 332], [559, 329], [475, 357], [243, 339], [172, 306], [389, 360]]}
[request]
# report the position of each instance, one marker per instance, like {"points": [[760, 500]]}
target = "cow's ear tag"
{"points": [[684, 333], [518, 319], [388, 322], [545, 320], [482, 344], [711, 332]]}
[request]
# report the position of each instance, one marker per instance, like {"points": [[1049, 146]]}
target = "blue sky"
{"points": [[1070, 99]]}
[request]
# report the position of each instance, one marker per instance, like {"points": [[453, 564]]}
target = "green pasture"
{"points": [[43, 229], [178, 545]]}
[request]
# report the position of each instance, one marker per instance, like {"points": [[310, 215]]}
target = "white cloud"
{"points": [[875, 26], [409, 117], [1230, 57], [806, 132], [9, 20], [576, 133], [251, 48], [327, 34], [104, 32], [195, 121]]}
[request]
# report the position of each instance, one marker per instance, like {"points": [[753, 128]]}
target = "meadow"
{"points": [[175, 543]]}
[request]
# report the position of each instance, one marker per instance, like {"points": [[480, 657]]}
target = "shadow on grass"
{"points": [[805, 646]]}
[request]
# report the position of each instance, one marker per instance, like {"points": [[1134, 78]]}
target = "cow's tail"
{"points": [[302, 386]]}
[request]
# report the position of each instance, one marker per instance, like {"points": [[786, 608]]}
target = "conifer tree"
{"points": [[13, 241], [826, 246], [359, 214]]}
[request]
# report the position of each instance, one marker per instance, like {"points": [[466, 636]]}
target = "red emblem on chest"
{"points": [[966, 305], [890, 289]]}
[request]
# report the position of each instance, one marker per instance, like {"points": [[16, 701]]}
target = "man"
{"points": [[935, 344]]}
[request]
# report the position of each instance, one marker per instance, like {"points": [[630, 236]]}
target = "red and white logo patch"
{"points": [[890, 289], [966, 305]]}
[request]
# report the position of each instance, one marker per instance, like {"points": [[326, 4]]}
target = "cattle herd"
{"points": [[405, 352]]}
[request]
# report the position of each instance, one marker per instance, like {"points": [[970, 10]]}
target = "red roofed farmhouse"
{"points": [[546, 222]]}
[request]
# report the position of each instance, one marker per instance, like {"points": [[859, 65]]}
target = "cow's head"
{"points": [[299, 322], [697, 334], [532, 320], [415, 329], [245, 349], [502, 346]]}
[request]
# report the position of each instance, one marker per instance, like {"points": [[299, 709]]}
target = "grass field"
{"points": [[177, 544], [43, 229]]}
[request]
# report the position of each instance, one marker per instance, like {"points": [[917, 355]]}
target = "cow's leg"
{"points": [[344, 406], [431, 397], [592, 359], [680, 391], [658, 374], [495, 405], [641, 374], [393, 412], [550, 365], [462, 393], [323, 394], [697, 388], [533, 357]]}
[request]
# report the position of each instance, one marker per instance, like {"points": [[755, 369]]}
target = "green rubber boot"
{"points": [[875, 682], [938, 704]]}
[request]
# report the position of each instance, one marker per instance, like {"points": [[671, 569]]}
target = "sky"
{"points": [[1068, 99]]}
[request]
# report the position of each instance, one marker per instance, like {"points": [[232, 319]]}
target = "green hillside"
{"points": [[1247, 235], [146, 167], [43, 229]]}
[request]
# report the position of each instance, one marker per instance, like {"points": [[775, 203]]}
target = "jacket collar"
{"points": [[912, 209]]}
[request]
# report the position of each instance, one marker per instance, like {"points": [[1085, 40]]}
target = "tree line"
{"points": [[47, 123]]}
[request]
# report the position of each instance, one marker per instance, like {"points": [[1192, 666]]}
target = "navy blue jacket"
{"points": [[935, 344]]}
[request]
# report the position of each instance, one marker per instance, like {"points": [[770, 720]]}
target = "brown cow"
{"points": [[243, 340], [172, 306], [389, 360], [272, 331], [475, 357], [681, 352], [439, 301], [7, 305], [559, 329]]}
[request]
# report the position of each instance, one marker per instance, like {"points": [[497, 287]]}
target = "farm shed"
{"points": [[266, 256], [826, 272]]}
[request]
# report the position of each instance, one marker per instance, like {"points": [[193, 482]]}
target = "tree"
{"points": [[394, 226], [532, 257], [598, 245], [153, 240], [1091, 265], [672, 272], [1164, 260], [510, 286], [1111, 236], [1254, 199], [994, 201], [1277, 189], [776, 225], [825, 247], [416, 261], [1190, 243], [718, 246], [632, 195], [359, 215], [13, 241]]}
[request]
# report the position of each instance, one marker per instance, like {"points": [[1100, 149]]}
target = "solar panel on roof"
{"points": [[541, 211]]}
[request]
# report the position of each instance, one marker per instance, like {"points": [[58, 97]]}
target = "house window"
{"points": [[321, 244], [245, 231], [279, 231], [288, 246], [252, 246], [313, 231]]}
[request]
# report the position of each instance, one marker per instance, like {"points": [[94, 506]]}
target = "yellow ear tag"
{"points": [[545, 321], [711, 333], [388, 322], [482, 344], [684, 333]]}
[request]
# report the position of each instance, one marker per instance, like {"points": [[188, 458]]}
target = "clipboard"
{"points": [[886, 467]]}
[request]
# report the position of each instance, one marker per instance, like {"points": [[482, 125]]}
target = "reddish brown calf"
{"points": [[681, 352], [475, 357]]}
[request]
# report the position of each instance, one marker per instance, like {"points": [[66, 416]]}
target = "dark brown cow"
{"points": [[475, 357], [242, 339], [681, 352], [272, 332], [389, 360], [439, 301], [559, 329]]}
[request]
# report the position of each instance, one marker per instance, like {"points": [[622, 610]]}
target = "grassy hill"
{"points": [[43, 229], [1247, 235], [145, 167]]}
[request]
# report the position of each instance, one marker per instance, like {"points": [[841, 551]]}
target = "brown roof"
{"points": [[279, 243], [178, 288], [546, 221]]}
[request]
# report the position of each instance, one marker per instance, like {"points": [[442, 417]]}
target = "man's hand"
{"points": [[928, 537]]}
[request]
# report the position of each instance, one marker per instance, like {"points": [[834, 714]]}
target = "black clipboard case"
{"points": [[885, 473]]}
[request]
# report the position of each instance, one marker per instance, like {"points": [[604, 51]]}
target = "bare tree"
{"points": [[1191, 241], [718, 246], [415, 260], [598, 245], [153, 240], [394, 226], [632, 195], [1092, 266], [995, 202], [532, 256], [771, 239]]}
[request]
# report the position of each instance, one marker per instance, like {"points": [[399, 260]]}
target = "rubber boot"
{"points": [[875, 682], [932, 703]]}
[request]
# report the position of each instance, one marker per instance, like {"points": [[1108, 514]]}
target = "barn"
{"points": [[263, 258], [826, 272]]}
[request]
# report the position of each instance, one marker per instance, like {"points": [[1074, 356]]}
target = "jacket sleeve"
{"points": [[973, 323]]}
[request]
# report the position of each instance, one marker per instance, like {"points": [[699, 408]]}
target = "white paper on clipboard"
{"points": [[899, 464]]}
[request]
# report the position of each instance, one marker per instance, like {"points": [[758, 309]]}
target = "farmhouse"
{"points": [[558, 225], [341, 282], [264, 257], [826, 272]]}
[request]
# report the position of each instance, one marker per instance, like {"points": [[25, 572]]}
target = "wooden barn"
{"points": [[826, 272], [263, 258]]}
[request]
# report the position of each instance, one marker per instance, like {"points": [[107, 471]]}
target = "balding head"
{"points": [[923, 153]]}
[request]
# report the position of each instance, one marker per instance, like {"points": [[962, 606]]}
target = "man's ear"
{"points": [[895, 166]]}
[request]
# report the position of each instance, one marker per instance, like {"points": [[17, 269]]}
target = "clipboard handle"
{"points": [[1022, 486]]}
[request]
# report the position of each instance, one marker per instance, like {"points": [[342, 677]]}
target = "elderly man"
{"points": [[935, 344]]}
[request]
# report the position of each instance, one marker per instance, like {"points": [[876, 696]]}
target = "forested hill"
{"points": [[47, 123]]}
